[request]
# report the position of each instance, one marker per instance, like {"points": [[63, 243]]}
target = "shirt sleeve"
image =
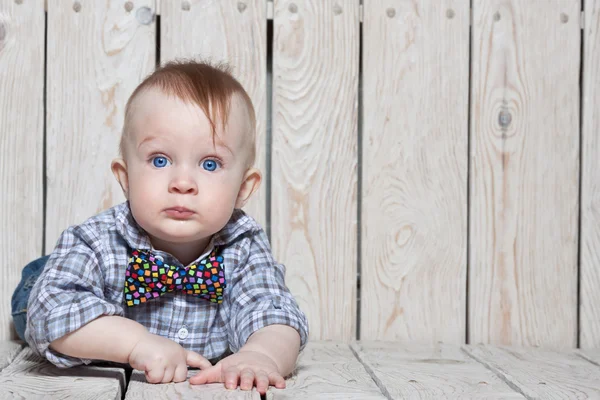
{"points": [[259, 296], [68, 294]]}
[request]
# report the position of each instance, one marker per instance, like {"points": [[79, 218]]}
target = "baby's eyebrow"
{"points": [[148, 139]]}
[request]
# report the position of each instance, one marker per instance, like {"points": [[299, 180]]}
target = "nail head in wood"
{"points": [[242, 6], [337, 9], [77, 6], [390, 12], [293, 8], [504, 118], [450, 13], [564, 18], [128, 6], [144, 15], [186, 6]]}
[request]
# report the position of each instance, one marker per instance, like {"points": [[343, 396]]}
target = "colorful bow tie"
{"points": [[148, 277]]}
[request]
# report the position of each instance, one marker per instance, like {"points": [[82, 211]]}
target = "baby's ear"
{"points": [[249, 185], [119, 170]]}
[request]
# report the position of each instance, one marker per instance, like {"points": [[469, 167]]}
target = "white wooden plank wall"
{"points": [[98, 52], [21, 143], [232, 31], [590, 180], [524, 172], [314, 190], [520, 177], [414, 203]]}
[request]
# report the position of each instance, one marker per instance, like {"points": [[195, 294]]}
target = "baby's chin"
{"points": [[178, 236]]}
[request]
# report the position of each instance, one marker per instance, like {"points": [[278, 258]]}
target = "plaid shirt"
{"points": [[85, 276]]}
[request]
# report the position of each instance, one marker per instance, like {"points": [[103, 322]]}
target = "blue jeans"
{"points": [[20, 296]]}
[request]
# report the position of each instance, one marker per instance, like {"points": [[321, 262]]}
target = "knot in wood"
{"points": [[390, 12], [19, 1], [242, 6], [504, 118], [337, 9], [185, 6], [293, 8], [450, 13], [2, 33], [128, 6], [497, 16], [77, 6], [564, 18]]}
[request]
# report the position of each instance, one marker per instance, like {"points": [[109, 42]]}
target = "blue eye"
{"points": [[210, 165], [160, 161]]}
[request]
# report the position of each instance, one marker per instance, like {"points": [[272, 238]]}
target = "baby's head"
{"points": [[187, 150]]}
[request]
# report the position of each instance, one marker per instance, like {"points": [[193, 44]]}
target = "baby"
{"points": [[177, 275]]}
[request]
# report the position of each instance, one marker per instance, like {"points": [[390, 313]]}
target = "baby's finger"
{"points": [[209, 375], [180, 374], [231, 375], [168, 375], [262, 382], [276, 380], [195, 360], [155, 375], [246, 379]]}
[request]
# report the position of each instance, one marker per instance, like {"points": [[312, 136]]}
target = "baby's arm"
{"points": [[281, 343], [102, 339], [118, 339], [267, 329]]}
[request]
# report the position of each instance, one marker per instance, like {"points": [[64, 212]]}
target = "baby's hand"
{"points": [[245, 367], [163, 360]]}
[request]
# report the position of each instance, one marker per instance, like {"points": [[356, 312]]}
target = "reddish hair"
{"points": [[209, 86]]}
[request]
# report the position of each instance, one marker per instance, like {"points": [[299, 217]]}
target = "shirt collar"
{"points": [[239, 224]]}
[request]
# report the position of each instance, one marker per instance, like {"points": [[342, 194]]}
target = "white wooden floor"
{"points": [[327, 370]]}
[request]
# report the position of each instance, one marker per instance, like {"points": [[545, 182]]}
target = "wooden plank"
{"points": [[590, 181], [524, 172], [231, 31], [269, 8], [328, 370], [439, 371], [30, 376], [314, 195], [98, 52], [592, 355], [139, 388], [541, 373], [8, 352], [414, 205], [21, 143]]}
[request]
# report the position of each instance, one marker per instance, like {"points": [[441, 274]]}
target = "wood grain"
{"points": [[314, 196], [437, 371], [541, 373], [98, 56], [524, 175], [414, 214], [234, 32], [327, 370], [8, 352], [139, 389], [21, 144], [590, 181], [32, 377]]}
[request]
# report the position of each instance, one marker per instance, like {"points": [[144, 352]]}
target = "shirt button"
{"points": [[183, 333]]}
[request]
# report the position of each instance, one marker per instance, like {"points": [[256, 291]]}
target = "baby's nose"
{"points": [[183, 184]]}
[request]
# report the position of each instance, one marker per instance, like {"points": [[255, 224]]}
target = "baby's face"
{"points": [[182, 186]]}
